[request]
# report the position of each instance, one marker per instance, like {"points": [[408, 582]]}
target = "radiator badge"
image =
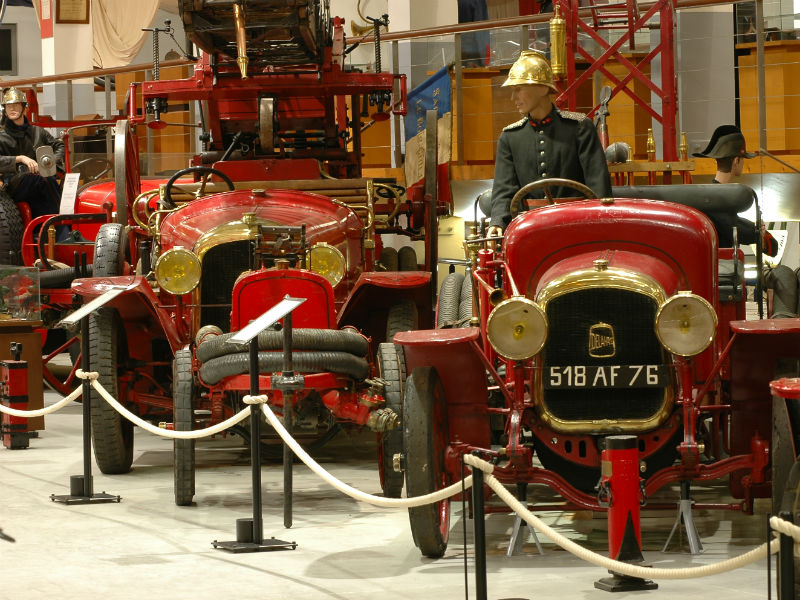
{"points": [[601, 341]]}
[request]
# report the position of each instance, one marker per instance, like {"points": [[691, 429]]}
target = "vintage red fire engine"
{"points": [[287, 213], [600, 317]]}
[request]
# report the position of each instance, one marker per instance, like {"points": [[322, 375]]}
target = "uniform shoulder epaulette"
{"points": [[575, 116], [516, 125]]}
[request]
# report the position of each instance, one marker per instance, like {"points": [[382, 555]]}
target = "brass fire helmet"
{"points": [[12, 95], [531, 67]]}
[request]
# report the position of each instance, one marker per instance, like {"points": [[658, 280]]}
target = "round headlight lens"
{"points": [[686, 324], [178, 271], [517, 328], [327, 261]]}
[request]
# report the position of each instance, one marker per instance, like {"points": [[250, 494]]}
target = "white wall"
{"points": [[29, 50], [706, 79]]}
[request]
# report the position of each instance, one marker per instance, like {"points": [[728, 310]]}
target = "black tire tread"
{"points": [[392, 369], [11, 230], [112, 435], [183, 393], [402, 316], [420, 432]]}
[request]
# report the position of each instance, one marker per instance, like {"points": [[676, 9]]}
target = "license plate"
{"points": [[605, 376]]}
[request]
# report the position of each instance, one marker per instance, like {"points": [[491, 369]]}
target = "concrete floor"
{"points": [[146, 547]]}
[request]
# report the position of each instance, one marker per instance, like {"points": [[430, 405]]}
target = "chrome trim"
{"points": [[613, 278]]}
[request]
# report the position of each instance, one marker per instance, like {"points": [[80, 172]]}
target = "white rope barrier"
{"points": [[474, 462], [599, 560], [40, 412], [785, 527], [167, 433], [346, 489]]}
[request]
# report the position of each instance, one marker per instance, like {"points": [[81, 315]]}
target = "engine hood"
{"points": [[672, 245], [233, 216]]}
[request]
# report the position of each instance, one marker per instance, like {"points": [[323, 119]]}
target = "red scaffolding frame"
{"points": [[626, 18]]}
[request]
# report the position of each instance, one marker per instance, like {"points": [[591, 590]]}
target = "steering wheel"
{"points": [[167, 200], [546, 184], [93, 161]]}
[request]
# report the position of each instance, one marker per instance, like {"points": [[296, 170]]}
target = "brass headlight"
{"points": [[178, 271], [517, 328], [686, 324], [327, 261]]}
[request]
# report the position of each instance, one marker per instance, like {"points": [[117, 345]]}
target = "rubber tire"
{"points": [[407, 259], [11, 230], [112, 435], [425, 440], [788, 500], [449, 300], [402, 316], [389, 258], [392, 369], [183, 395]]}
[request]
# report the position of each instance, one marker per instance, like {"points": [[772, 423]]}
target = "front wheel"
{"points": [[392, 369], [112, 434], [425, 439], [183, 394]]}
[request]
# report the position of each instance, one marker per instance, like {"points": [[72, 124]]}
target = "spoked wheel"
{"points": [[183, 394], [392, 369], [425, 439], [112, 434]]}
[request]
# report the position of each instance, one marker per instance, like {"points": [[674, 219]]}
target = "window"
{"points": [[8, 49]]}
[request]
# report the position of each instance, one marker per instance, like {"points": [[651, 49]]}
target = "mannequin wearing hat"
{"points": [[18, 167], [727, 146], [545, 143]]}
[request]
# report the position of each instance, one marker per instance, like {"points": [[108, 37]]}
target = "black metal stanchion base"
{"points": [[77, 494], [245, 542], [624, 583]]}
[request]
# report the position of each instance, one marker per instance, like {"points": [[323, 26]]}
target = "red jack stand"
{"points": [[620, 491], [14, 394]]}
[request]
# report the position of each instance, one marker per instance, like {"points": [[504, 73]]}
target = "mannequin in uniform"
{"points": [[728, 148], [545, 143], [18, 167]]}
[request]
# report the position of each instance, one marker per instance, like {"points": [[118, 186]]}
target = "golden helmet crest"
{"points": [[531, 67], [13, 95]]}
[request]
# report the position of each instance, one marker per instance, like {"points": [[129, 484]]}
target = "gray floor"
{"points": [[146, 547]]}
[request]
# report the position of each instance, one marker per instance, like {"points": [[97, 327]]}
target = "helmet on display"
{"points": [[12, 95], [531, 67]]}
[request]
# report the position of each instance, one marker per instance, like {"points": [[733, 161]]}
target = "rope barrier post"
{"points": [[621, 491], [479, 533], [250, 531], [288, 382], [81, 486], [786, 561]]}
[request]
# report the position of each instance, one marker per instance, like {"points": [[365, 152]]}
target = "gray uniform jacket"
{"points": [[563, 144]]}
